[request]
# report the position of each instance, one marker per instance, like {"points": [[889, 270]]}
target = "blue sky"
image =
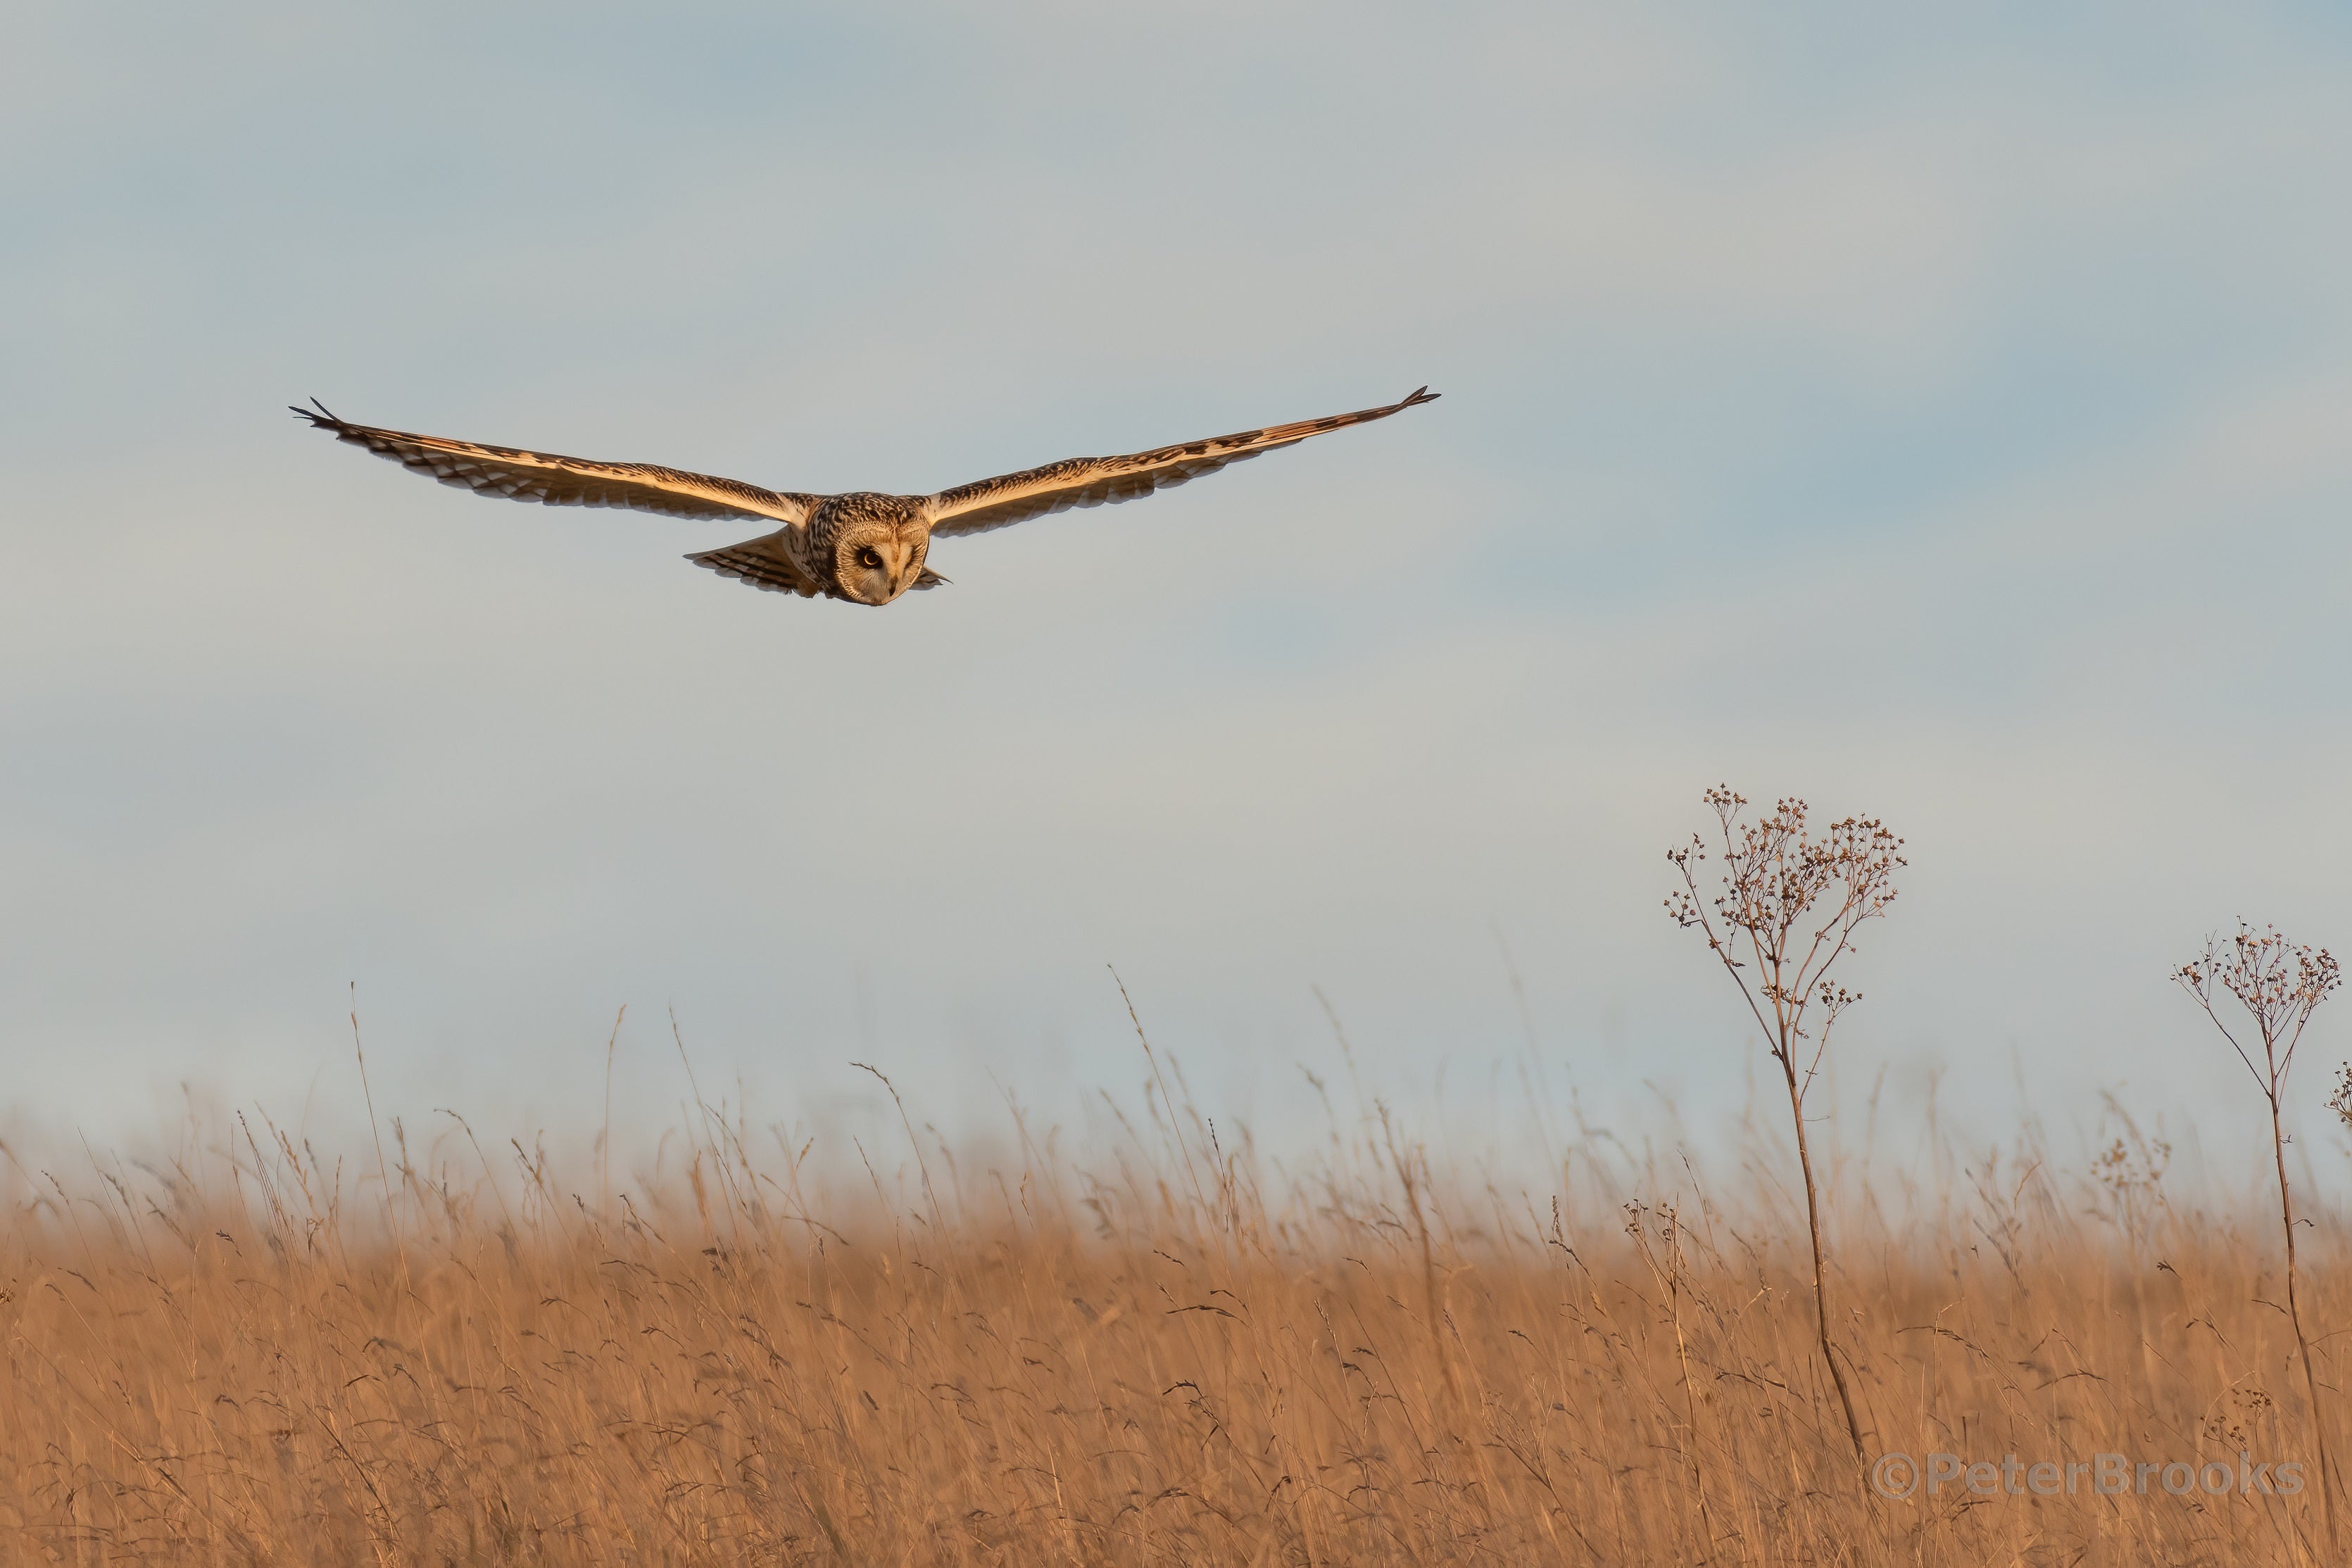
{"points": [[1942, 415]]}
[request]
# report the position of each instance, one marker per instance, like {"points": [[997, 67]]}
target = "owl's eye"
{"points": [[870, 558]]}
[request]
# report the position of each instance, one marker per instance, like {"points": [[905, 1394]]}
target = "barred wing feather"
{"points": [[1098, 481], [767, 563]]}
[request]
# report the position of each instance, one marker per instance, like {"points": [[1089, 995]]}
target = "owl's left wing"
{"points": [[1094, 480]]}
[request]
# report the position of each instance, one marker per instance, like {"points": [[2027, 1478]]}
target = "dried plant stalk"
{"points": [[1786, 914], [2280, 984]]}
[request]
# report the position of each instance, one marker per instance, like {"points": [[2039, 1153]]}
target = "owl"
{"points": [[861, 547]]}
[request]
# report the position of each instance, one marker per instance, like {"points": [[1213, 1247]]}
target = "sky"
{"points": [[1943, 415]]}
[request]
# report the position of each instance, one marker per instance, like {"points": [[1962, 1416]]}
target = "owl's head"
{"points": [[875, 563]]}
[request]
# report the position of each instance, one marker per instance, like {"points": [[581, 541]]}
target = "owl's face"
{"points": [[877, 563]]}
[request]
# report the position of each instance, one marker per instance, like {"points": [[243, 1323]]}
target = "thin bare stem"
{"points": [[604, 1143]]}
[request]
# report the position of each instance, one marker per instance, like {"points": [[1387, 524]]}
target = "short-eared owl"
{"points": [[862, 547]]}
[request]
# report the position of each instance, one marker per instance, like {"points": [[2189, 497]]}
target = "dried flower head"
{"points": [[2279, 983], [2341, 1101], [1787, 906]]}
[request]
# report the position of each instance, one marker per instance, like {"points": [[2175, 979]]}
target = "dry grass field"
{"points": [[1179, 1354]]}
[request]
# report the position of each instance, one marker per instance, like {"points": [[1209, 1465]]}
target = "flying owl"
{"points": [[861, 546]]}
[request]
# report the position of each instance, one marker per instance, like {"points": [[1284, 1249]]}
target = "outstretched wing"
{"points": [[767, 563], [1092, 481], [544, 476]]}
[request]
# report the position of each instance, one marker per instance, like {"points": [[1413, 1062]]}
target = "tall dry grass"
{"points": [[1173, 1351]]}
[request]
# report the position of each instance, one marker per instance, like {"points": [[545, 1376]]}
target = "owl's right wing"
{"points": [[1094, 480], [555, 481]]}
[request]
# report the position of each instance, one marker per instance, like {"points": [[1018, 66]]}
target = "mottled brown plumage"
{"points": [[862, 547]]}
